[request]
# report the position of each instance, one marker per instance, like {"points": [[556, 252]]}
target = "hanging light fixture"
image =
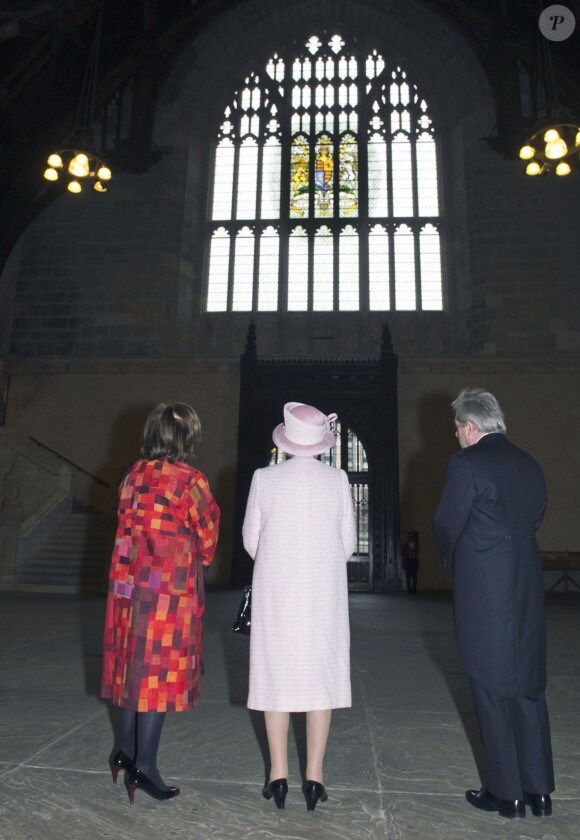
{"points": [[553, 143], [552, 147], [79, 165]]}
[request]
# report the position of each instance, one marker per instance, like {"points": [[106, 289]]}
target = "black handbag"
{"points": [[243, 619]]}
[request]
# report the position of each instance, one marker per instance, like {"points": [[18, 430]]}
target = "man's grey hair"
{"points": [[481, 408]]}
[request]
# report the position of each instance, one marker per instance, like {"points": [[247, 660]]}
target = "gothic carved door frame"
{"points": [[363, 392]]}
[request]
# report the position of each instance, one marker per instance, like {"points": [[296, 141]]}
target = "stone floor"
{"points": [[397, 766]]}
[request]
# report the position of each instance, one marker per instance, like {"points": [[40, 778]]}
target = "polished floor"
{"points": [[397, 766]]}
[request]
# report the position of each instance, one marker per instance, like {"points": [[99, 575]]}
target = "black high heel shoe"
{"points": [[120, 761], [277, 789], [314, 791], [137, 779]]}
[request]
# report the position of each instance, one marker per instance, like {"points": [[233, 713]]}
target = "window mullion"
{"points": [[233, 224], [311, 180], [335, 223], [258, 228], [415, 226], [362, 136]]}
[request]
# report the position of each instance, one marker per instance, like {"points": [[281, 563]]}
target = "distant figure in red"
{"points": [[167, 532], [410, 552]]}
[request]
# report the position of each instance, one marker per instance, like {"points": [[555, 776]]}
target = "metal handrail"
{"points": [[68, 461]]}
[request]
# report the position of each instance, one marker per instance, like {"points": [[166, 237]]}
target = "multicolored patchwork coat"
{"points": [[168, 530]]}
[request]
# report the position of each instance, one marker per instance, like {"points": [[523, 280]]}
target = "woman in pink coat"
{"points": [[299, 529]]}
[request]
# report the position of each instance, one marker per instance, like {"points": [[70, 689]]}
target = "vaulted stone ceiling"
{"points": [[43, 53]]}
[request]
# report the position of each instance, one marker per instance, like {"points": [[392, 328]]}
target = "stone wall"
{"points": [[106, 291], [92, 411]]}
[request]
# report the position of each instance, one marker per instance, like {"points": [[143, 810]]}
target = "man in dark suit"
{"points": [[492, 504]]}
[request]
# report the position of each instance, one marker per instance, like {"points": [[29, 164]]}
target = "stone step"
{"points": [[76, 555]]}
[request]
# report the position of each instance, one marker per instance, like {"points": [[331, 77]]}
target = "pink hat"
{"points": [[305, 430]]}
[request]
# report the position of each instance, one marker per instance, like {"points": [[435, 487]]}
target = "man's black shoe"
{"points": [[486, 801], [540, 803]]}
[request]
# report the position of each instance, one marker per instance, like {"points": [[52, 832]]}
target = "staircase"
{"points": [[73, 556]]}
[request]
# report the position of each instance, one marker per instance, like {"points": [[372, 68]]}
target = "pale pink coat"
{"points": [[299, 528]]}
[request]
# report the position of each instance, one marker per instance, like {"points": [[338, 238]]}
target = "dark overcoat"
{"points": [[492, 505]]}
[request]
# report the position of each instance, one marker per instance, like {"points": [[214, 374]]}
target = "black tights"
{"points": [[140, 736]]}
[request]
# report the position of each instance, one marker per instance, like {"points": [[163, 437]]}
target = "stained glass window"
{"points": [[324, 187]]}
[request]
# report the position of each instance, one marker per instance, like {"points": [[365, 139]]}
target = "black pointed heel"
{"points": [[120, 761], [314, 791], [136, 779], [277, 789]]}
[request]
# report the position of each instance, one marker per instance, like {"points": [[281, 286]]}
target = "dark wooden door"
{"points": [[363, 393]]}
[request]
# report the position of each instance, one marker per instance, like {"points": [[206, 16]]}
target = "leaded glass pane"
{"points": [[430, 249], [378, 183], [268, 270], [360, 501], [319, 96], [256, 98], [243, 271], [374, 65], [348, 176], [332, 457], [223, 181], [219, 261], [402, 176], [299, 178], [247, 180], [271, 163], [323, 273], [323, 178], [336, 43], [379, 287], [427, 176], [357, 457], [275, 68], [405, 297], [300, 123], [298, 271], [277, 456], [246, 99], [323, 122], [314, 44], [348, 270]]}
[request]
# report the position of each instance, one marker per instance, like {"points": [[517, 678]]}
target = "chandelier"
{"points": [[552, 144], [551, 147], [78, 164]]}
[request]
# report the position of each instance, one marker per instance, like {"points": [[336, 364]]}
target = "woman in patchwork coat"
{"points": [[167, 532]]}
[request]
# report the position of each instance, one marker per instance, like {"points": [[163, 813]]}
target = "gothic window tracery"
{"points": [[324, 193]]}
